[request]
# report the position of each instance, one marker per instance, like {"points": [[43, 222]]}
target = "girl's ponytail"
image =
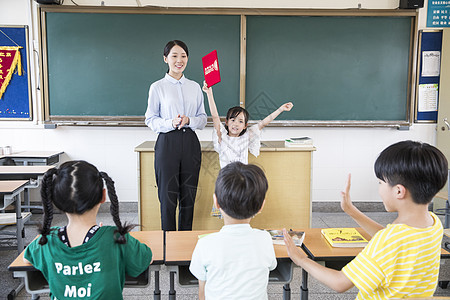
{"points": [[47, 203], [122, 230]]}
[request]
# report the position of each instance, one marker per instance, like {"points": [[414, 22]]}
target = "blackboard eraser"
{"points": [[50, 126], [403, 127]]}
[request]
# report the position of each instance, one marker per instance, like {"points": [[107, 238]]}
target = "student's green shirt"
{"points": [[94, 270]]}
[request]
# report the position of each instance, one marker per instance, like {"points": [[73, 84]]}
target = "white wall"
{"points": [[339, 150]]}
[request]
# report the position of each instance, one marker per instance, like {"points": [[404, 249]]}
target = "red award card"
{"points": [[211, 68]]}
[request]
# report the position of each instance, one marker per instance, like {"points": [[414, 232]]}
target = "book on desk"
{"points": [[303, 141], [344, 237], [278, 238]]}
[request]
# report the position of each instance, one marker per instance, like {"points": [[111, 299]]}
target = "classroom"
{"points": [[350, 146]]}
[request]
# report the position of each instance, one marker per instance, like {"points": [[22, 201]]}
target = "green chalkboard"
{"points": [[102, 64], [354, 67], [331, 68]]}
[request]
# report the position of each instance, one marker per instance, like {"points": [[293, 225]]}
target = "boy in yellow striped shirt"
{"points": [[402, 259]]}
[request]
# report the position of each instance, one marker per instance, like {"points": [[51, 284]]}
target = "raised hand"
{"points": [[206, 88], [287, 106], [346, 202]]}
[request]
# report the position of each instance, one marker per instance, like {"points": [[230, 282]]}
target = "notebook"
{"points": [[211, 68]]}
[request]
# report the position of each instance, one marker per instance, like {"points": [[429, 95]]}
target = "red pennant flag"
{"points": [[9, 60]]}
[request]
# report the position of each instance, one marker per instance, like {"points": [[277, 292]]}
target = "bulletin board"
{"points": [[15, 101], [427, 91]]}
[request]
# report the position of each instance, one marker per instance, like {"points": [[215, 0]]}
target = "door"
{"points": [[443, 122]]}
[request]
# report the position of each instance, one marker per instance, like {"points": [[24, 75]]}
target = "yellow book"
{"points": [[344, 237]]}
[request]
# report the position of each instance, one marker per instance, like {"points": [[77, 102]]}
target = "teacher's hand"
{"points": [[176, 121], [180, 121], [184, 120]]}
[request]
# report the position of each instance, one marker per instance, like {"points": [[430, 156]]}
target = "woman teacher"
{"points": [[175, 110]]}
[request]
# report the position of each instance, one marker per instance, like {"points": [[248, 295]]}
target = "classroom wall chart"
{"points": [[438, 14]]}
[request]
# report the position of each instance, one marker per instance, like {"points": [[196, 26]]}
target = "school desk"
{"points": [[35, 283], [181, 244], [32, 173], [28, 158], [23, 172], [288, 199], [10, 193], [318, 249]]}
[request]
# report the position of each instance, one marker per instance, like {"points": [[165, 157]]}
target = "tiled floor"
{"points": [[316, 289]]}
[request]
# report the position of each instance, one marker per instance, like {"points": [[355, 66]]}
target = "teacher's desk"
{"points": [[288, 199]]}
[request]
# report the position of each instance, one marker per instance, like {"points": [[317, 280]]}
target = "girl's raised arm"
{"points": [[213, 109], [285, 107]]}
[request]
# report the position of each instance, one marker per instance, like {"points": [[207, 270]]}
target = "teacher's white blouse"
{"points": [[168, 98]]}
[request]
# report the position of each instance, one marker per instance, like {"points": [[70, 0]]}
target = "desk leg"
{"points": [[26, 200], [19, 225], [172, 292], [157, 292], [13, 294], [304, 287], [286, 292]]}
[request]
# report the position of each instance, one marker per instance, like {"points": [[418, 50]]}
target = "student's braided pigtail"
{"points": [[114, 209], [47, 203]]}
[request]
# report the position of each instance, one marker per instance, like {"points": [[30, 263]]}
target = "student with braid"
{"points": [[82, 259]]}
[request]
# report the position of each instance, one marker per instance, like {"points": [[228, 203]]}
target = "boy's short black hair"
{"points": [[241, 190], [421, 168]]}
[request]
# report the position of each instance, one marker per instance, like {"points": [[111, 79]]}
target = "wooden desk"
{"points": [[288, 200], [32, 173], [318, 249], [181, 244], [23, 172], [33, 157], [35, 282], [10, 193]]}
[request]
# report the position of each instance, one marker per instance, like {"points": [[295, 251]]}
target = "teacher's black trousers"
{"points": [[177, 165]]}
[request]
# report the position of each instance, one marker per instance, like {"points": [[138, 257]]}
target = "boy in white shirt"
{"points": [[235, 262]]}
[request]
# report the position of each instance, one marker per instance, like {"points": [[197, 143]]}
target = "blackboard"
{"points": [[103, 64], [349, 69], [15, 103], [331, 68]]}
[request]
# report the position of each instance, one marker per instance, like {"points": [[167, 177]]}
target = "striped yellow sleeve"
{"points": [[365, 273]]}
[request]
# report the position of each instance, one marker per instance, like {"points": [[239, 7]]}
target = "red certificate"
{"points": [[211, 68]]}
